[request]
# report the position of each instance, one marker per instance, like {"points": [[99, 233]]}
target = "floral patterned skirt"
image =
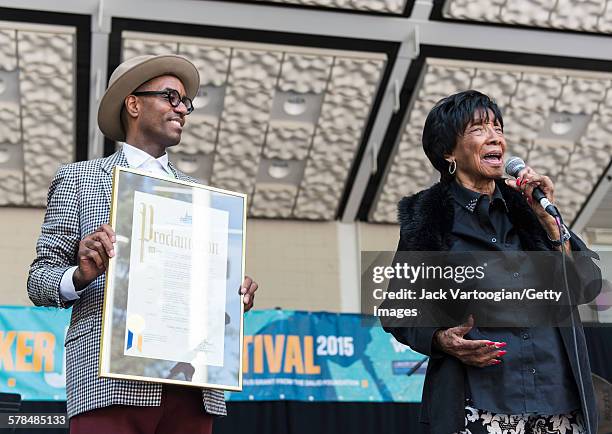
{"points": [[485, 422]]}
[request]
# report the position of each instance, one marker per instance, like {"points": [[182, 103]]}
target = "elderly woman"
{"points": [[504, 380]]}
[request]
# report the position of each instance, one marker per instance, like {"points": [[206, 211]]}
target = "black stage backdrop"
{"points": [[284, 417]]}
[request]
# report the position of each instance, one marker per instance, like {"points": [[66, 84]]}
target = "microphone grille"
{"points": [[514, 165]]}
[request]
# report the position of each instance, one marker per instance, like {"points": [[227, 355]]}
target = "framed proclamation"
{"points": [[172, 307]]}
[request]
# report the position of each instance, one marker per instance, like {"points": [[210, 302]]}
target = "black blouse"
{"points": [[535, 375]]}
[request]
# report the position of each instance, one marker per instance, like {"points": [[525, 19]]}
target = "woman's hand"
{"points": [[529, 179], [479, 353]]}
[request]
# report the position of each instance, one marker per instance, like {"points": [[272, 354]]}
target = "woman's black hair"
{"points": [[448, 120]]}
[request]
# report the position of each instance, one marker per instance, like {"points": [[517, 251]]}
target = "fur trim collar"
{"points": [[426, 219]]}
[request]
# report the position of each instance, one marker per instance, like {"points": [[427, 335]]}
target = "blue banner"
{"points": [[288, 355], [32, 359], [319, 356]]}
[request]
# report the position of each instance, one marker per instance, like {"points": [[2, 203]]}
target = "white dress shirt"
{"points": [[137, 159]]}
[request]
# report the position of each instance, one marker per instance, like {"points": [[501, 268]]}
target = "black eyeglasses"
{"points": [[173, 97]]}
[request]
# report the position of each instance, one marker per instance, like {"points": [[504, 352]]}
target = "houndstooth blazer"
{"points": [[79, 202]]}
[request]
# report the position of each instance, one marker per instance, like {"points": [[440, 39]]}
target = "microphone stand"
{"points": [[559, 221], [416, 366]]}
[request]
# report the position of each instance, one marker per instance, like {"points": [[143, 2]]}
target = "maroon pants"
{"points": [[181, 411]]}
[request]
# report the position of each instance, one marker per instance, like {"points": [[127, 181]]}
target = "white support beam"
{"points": [[596, 198], [85, 7], [377, 134], [497, 38], [265, 17], [349, 259], [421, 9], [101, 26]]}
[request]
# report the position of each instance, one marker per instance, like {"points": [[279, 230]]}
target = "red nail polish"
{"points": [[500, 344], [501, 353], [496, 362], [490, 343]]}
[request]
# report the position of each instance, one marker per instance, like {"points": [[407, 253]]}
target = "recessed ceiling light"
{"points": [[5, 155], [187, 164], [295, 105], [296, 109], [279, 169], [202, 98], [561, 125]]}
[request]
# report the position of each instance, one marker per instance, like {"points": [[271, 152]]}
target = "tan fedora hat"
{"points": [[130, 75]]}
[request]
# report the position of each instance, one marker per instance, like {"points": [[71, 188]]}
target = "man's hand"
{"points": [[248, 288], [479, 353], [92, 258]]}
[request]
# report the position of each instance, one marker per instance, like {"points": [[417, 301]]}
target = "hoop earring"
{"points": [[452, 167]]}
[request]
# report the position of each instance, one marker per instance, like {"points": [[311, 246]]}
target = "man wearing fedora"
{"points": [[145, 106]]}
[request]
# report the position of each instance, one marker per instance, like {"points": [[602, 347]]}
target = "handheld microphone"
{"points": [[513, 166]]}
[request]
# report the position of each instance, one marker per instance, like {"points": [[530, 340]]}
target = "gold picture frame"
{"points": [[173, 312]]}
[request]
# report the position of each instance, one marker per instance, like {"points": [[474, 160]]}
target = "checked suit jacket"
{"points": [[79, 202]]}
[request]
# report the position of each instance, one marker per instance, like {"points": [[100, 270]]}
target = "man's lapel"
{"points": [[178, 174], [107, 164]]}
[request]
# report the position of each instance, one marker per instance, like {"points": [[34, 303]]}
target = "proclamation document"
{"points": [[177, 279]]}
